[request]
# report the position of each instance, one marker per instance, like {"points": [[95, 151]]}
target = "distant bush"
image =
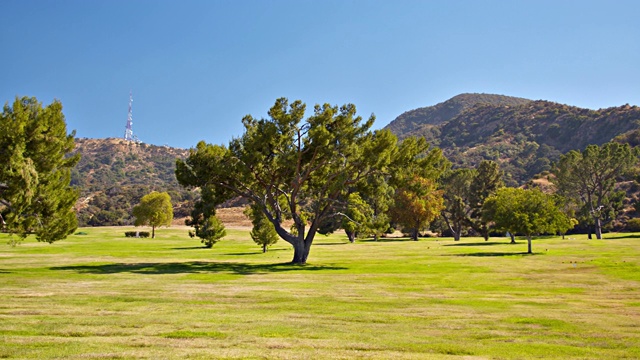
{"points": [[142, 234], [633, 225]]}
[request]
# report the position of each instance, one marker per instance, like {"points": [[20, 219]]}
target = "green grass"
{"points": [[99, 295]]}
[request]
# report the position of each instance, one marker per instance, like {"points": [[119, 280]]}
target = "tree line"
{"points": [[322, 172], [331, 171]]}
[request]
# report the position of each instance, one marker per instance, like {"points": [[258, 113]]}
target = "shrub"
{"points": [[142, 234], [633, 225]]}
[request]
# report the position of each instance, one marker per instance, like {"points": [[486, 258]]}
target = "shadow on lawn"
{"points": [[486, 243], [191, 267], [490, 254], [605, 237]]}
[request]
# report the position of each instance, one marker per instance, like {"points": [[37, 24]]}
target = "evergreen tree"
{"points": [[36, 157], [263, 232], [589, 178], [292, 167]]}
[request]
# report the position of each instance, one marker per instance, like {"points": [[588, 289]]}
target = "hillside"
{"points": [[113, 174], [414, 120], [526, 138]]}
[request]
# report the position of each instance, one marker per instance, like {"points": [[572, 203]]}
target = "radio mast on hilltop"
{"points": [[128, 132]]}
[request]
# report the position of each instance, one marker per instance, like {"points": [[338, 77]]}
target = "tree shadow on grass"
{"points": [[389, 239], [191, 268], [605, 237], [492, 254], [486, 243]]}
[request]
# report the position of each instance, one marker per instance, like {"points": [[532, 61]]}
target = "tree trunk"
{"points": [[414, 234], [598, 229], [153, 232], [299, 253], [264, 248], [352, 236], [456, 232], [589, 233], [513, 237], [529, 244]]}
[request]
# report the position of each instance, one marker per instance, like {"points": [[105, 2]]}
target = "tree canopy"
{"points": [[36, 157], [526, 212], [589, 178], [155, 210], [294, 168]]}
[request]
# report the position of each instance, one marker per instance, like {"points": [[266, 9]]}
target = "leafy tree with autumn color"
{"points": [[416, 204]]}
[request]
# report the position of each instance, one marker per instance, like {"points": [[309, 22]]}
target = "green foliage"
{"points": [[633, 225], [526, 212], [35, 153], [588, 178], [487, 180], [155, 210], [211, 231], [525, 138], [416, 204], [292, 167], [358, 217], [456, 186], [113, 175], [263, 232], [135, 234]]}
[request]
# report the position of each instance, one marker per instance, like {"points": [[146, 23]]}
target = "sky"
{"points": [[197, 67]]}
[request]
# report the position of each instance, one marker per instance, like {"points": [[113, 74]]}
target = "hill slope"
{"points": [[526, 138], [113, 174], [413, 120]]}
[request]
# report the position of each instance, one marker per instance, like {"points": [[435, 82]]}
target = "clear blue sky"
{"points": [[197, 67]]}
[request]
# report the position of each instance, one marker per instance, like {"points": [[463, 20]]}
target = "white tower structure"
{"points": [[128, 132]]}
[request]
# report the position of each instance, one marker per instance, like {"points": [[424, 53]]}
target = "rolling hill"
{"points": [[524, 136], [113, 174]]}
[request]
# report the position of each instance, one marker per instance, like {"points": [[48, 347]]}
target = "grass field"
{"points": [[99, 295]]}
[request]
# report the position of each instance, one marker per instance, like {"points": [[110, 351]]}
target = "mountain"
{"points": [[525, 136], [113, 174], [413, 120]]}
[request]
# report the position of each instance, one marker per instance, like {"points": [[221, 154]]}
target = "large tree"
{"points": [[456, 186], [155, 210], [292, 167], [526, 212], [589, 177], [487, 180], [36, 157]]}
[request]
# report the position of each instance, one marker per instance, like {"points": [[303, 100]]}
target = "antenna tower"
{"points": [[128, 132]]}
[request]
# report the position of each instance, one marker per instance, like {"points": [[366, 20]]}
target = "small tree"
{"points": [[527, 212], [210, 231], [417, 204], [155, 209], [263, 232]]}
